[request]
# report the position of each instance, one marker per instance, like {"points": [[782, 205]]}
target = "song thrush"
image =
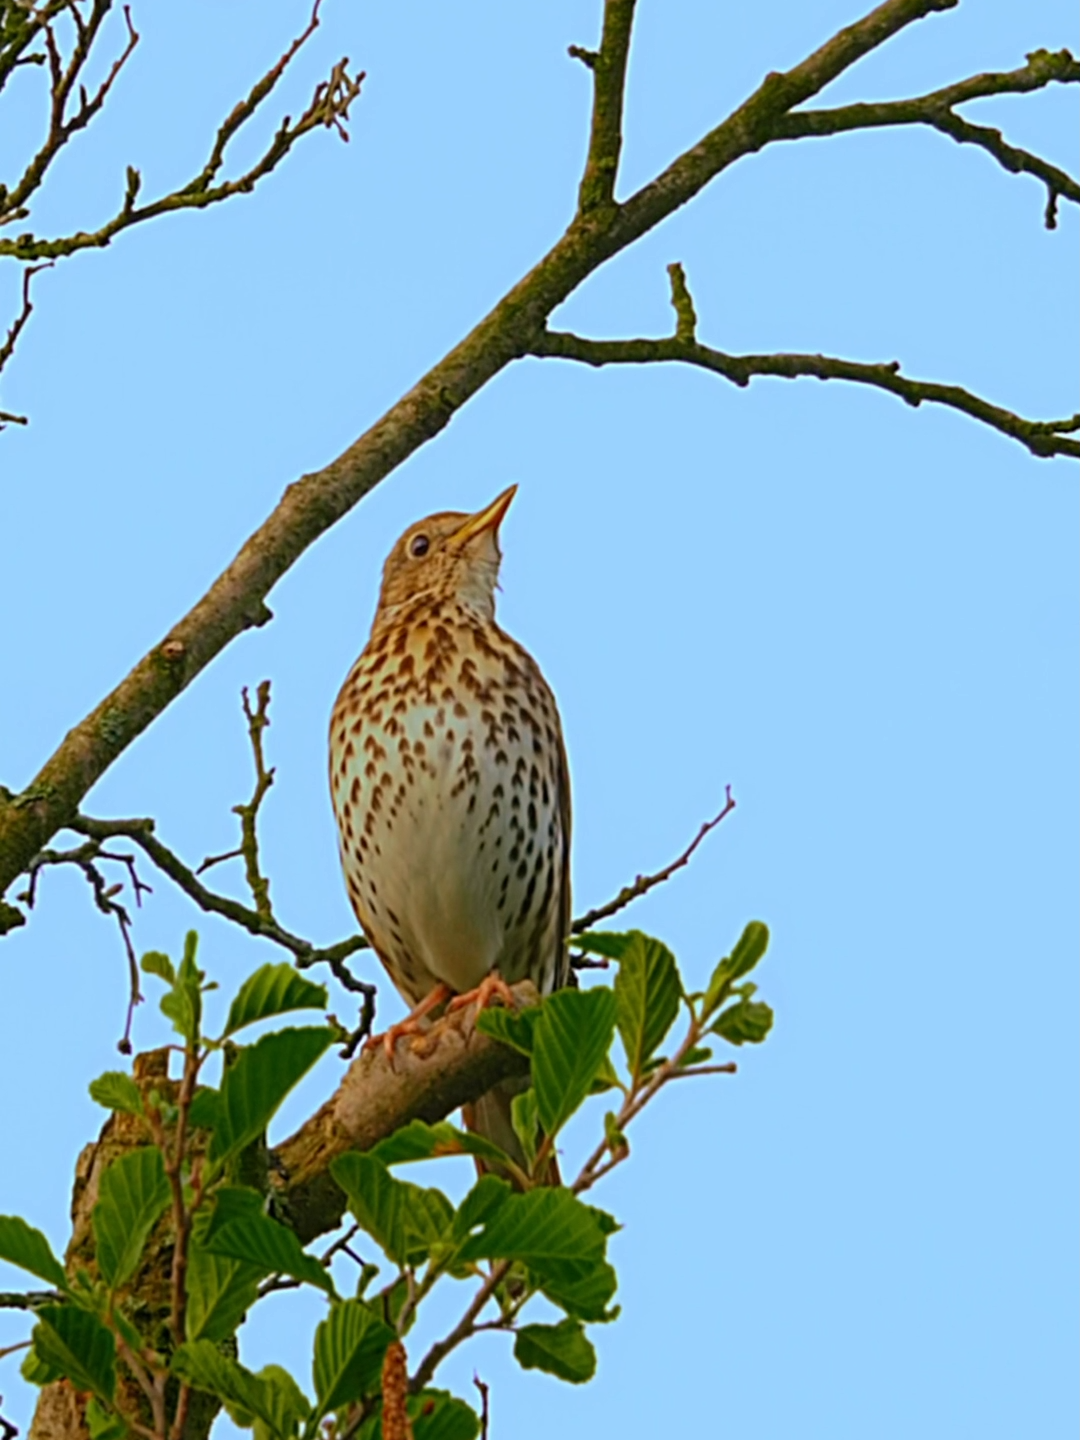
{"points": [[450, 787]]}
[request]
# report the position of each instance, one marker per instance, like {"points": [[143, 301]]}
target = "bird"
{"points": [[451, 790]]}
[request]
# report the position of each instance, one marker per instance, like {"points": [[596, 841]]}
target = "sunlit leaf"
{"points": [[273, 990], [746, 1023], [512, 1027], [406, 1220], [751, 946], [22, 1245], [117, 1091], [572, 1038], [219, 1293], [648, 990], [548, 1229], [258, 1081], [420, 1141], [587, 1297]]}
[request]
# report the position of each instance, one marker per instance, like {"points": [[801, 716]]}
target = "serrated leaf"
{"points": [[550, 1230], [255, 1085], [239, 1230], [156, 963], [182, 1004], [349, 1348], [526, 1123], [746, 1023], [512, 1027], [117, 1091], [133, 1194], [609, 943], [751, 946], [22, 1245], [406, 1220], [573, 1036], [272, 1396], [696, 1055], [73, 1343], [273, 990], [420, 1141], [562, 1350], [219, 1293], [479, 1204], [647, 990], [585, 1298], [606, 1078]]}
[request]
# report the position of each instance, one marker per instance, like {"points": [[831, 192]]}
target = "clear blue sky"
{"points": [[862, 616]]}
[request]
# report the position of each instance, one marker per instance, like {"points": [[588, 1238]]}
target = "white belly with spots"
{"points": [[451, 841]]}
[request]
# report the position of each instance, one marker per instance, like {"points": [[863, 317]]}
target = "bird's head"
{"points": [[451, 556]]}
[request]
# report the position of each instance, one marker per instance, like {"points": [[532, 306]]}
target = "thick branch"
{"points": [[608, 66], [1042, 437], [309, 507], [937, 109], [449, 1066]]}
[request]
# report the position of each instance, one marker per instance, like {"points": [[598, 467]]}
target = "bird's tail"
{"points": [[491, 1117]]}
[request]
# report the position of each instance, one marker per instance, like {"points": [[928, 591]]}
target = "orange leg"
{"points": [[411, 1024], [491, 986]]}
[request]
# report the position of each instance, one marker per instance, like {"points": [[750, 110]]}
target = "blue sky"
{"points": [[861, 616]]}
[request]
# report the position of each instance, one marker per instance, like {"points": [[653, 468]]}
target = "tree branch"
{"points": [[1043, 438], [608, 66], [329, 107], [515, 327], [447, 1066], [938, 110]]}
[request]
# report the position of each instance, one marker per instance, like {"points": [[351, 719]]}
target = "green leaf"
{"points": [[203, 1113], [256, 1084], [272, 1397], [550, 1230], [117, 1091], [219, 1293], [435, 1415], [512, 1027], [562, 1350], [74, 1343], [479, 1204], [696, 1055], [156, 963], [182, 1004], [526, 1123], [35, 1371], [349, 1348], [609, 943], [103, 1425], [238, 1230], [748, 1022], [586, 1298], [134, 1192], [573, 1035], [272, 990], [406, 1220], [648, 990], [420, 1141], [22, 1245], [751, 946]]}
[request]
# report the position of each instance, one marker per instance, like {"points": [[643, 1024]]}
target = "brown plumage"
{"points": [[450, 785]]}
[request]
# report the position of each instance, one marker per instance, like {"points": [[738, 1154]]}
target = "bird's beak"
{"points": [[488, 519]]}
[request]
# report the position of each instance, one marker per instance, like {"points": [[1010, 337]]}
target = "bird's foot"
{"points": [[413, 1022], [491, 987]]}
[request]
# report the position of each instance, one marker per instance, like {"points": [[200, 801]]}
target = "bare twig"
{"points": [[259, 885], [485, 1394], [937, 109], [329, 107], [85, 858], [644, 883], [465, 1327], [16, 329], [1043, 438], [7, 1430]]}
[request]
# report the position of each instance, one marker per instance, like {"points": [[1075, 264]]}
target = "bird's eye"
{"points": [[419, 545]]}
